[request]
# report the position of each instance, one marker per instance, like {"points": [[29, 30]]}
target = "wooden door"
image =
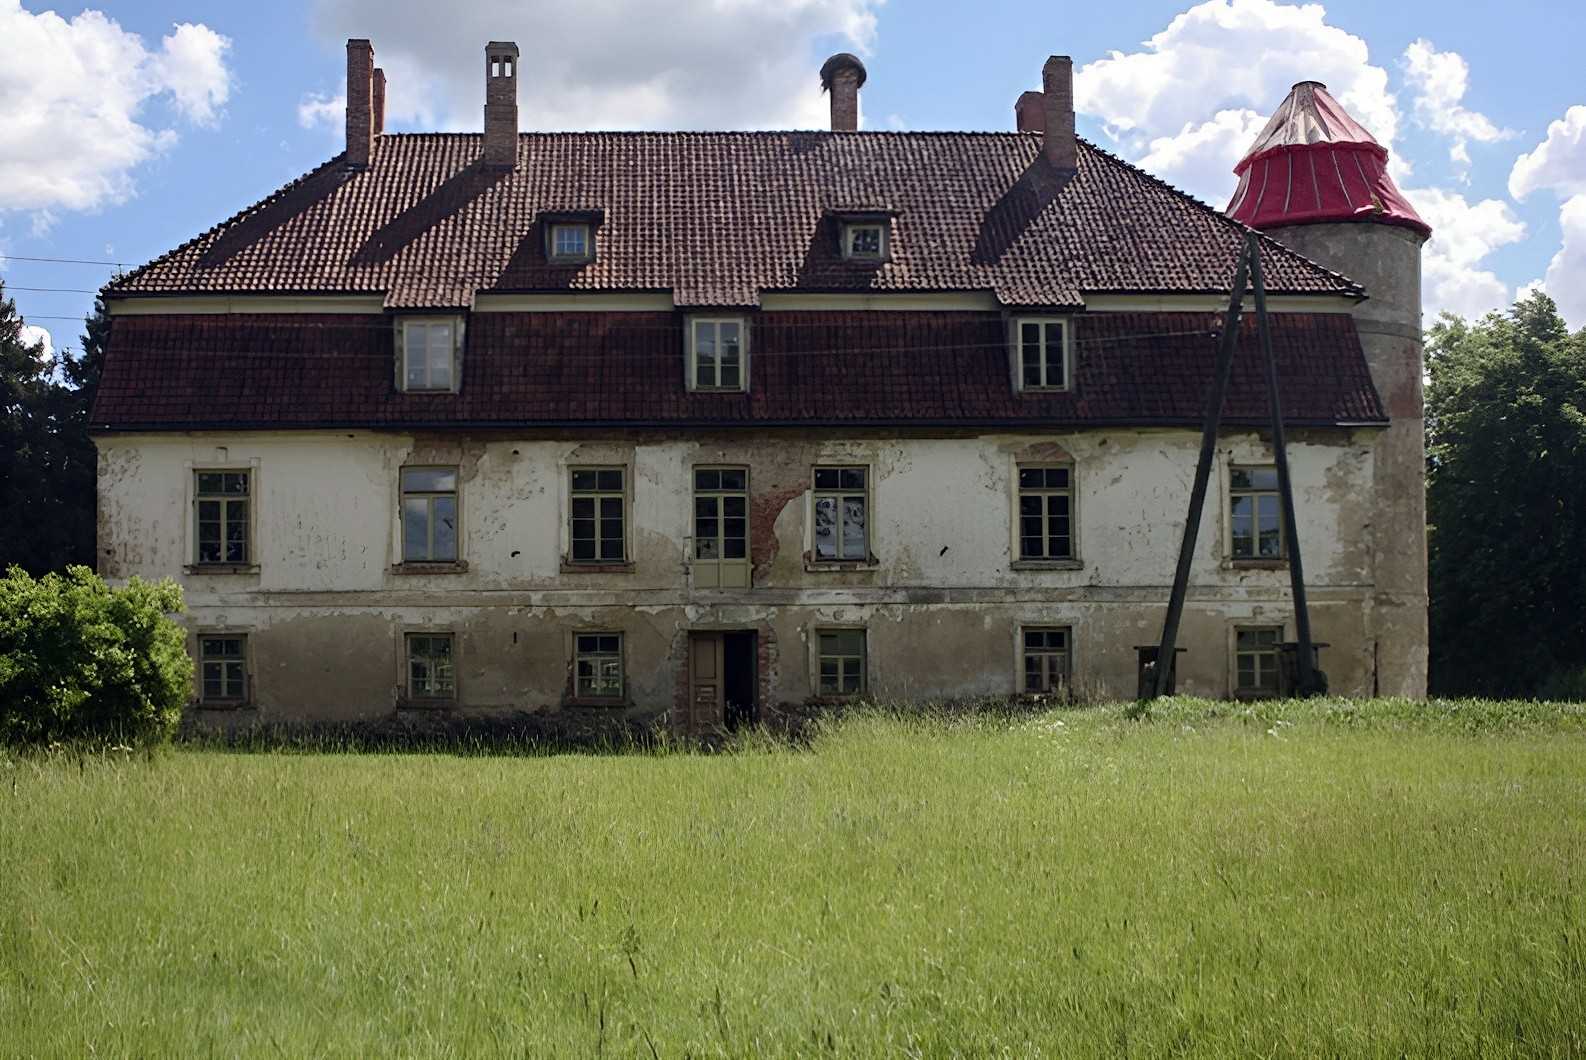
{"points": [[707, 693]]}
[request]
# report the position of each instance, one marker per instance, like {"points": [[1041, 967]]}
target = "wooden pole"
{"points": [[1203, 472]]}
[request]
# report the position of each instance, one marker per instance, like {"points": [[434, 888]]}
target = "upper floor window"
{"points": [[1040, 348], [717, 348], [1255, 516], [223, 516], [1046, 507], [842, 513], [429, 515], [571, 243], [429, 353], [721, 527], [865, 241], [598, 514]]}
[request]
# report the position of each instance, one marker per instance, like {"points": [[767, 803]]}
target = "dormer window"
{"points": [[1041, 358], [865, 241], [718, 353], [571, 243], [429, 353]]}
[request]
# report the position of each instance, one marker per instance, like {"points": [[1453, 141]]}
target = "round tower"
{"points": [[1316, 180]]}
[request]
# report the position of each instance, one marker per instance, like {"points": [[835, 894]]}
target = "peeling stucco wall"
{"points": [[326, 608]]}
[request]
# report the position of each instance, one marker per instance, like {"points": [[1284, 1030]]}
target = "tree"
{"points": [[1506, 503]]}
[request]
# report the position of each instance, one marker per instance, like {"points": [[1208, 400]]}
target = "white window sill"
{"points": [[1047, 564], [430, 567], [816, 566], [587, 566], [221, 568]]}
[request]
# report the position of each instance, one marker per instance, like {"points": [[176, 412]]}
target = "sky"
{"points": [[132, 126]]}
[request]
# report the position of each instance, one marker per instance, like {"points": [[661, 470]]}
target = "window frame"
{"points": [[456, 493], [222, 702], [692, 324], [578, 655], [557, 257], [817, 492], [409, 697], [598, 562], [454, 384], [1255, 559], [851, 228], [714, 573], [818, 656], [1275, 650], [1016, 352], [1022, 562], [1023, 654], [249, 521]]}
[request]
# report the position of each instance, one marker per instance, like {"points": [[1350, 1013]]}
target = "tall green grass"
{"points": [[1211, 879]]}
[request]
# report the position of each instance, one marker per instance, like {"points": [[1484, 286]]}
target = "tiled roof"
{"points": [[717, 218], [526, 370]]}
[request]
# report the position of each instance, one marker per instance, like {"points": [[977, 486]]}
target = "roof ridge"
{"points": [[1276, 245]]}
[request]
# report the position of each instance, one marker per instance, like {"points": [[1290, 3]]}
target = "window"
{"points": [[865, 242], [716, 354], [1046, 500], [220, 501], [1256, 660], [721, 527], [1041, 347], [222, 670], [598, 502], [429, 515], [597, 665], [429, 353], [842, 500], [841, 662], [1046, 658], [570, 243], [1254, 514], [432, 668]]}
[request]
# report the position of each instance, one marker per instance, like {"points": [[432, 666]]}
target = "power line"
{"points": [[65, 261], [51, 290]]}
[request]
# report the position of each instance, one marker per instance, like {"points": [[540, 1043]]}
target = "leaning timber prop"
{"points": [[1156, 675]]}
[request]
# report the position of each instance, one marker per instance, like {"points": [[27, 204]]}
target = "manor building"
{"points": [[704, 425]]}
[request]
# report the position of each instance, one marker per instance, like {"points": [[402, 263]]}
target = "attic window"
{"points": [[570, 243], [1041, 353], [865, 241], [429, 353]]}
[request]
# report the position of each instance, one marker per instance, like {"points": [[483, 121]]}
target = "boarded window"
{"points": [[220, 505], [1041, 353], [716, 348], [1256, 660], [841, 662], [842, 511], [429, 514], [432, 671], [597, 512], [597, 665], [721, 527], [222, 669], [1046, 509], [1046, 658], [429, 350], [1255, 515]]}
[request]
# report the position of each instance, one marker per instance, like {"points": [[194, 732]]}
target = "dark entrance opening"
{"points": [[739, 678]]}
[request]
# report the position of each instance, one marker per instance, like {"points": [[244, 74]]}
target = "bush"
{"points": [[80, 660]]}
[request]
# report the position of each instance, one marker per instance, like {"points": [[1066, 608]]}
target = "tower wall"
{"points": [[1386, 260]]}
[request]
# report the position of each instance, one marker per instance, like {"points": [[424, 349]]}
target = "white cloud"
{"points": [[32, 333], [1439, 81], [612, 65], [1228, 59], [1566, 273], [317, 109], [1558, 162], [72, 96], [1464, 233]]}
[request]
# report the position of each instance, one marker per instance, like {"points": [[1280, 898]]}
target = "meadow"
{"points": [[1211, 879]]}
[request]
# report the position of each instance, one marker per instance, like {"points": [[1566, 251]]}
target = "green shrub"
{"points": [[80, 660]]}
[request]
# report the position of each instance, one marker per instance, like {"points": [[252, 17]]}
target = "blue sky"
{"points": [[132, 126]]}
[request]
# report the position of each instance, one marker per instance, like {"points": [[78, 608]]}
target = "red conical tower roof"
{"points": [[1313, 163]]}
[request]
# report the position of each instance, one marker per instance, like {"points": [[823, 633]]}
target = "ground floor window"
{"points": [[1046, 658], [597, 665], [1256, 660], [222, 669], [432, 668], [842, 662]]}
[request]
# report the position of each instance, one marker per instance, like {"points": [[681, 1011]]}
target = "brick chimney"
{"points": [[501, 104], [360, 102], [843, 75], [1029, 113], [1057, 86], [377, 102]]}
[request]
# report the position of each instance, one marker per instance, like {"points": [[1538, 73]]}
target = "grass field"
{"points": [[1211, 880]]}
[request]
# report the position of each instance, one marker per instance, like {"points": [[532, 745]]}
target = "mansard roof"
{"points": [[719, 218]]}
